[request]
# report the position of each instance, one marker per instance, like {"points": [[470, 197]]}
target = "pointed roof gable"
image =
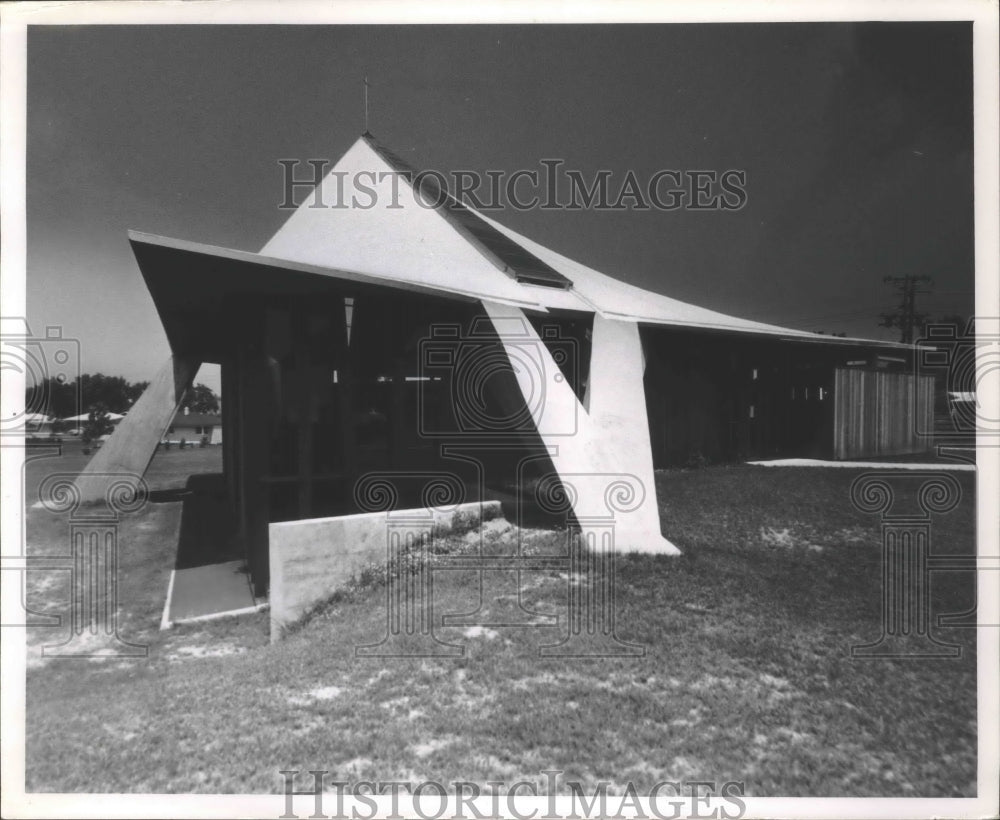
{"points": [[388, 234]]}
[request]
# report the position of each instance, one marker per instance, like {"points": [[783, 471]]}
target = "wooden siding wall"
{"points": [[881, 414]]}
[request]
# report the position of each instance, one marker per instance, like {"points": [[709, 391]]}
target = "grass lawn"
{"points": [[747, 674]]}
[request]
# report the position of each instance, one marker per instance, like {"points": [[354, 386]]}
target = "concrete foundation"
{"points": [[313, 558]]}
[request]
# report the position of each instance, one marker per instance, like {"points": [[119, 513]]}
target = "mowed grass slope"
{"points": [[747, 673]]}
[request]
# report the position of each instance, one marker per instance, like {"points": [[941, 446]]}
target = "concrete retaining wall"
{"points": [[313, 558]]}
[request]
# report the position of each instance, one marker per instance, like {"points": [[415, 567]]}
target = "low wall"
{"points": [[313, 558]]}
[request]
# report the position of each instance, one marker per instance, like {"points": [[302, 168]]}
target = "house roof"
{"points": [[86, 417], [196, 420], [452, 250]]}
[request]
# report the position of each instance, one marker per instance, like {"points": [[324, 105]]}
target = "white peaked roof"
{"points": [[389, 235], [409, 243]]}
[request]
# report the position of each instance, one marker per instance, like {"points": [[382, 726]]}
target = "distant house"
{"points": [[76, 424], [193, 427], [39, 426]]}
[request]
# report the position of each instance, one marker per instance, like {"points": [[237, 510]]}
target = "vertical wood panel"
{"points": [[880, 414]]}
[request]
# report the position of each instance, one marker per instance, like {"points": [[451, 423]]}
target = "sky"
{"points": [[856, 141]]}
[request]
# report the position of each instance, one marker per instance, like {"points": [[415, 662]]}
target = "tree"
{"points": [[98, 424], [113, 394], [201, 399], [63, 399], [110, 391], [52, 397], [133, 391]]}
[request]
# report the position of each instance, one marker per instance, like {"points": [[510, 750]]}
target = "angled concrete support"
{"points": [[601, 451], [133, 443]]}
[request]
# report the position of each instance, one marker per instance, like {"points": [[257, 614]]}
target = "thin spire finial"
{"points": [[366, 103]]}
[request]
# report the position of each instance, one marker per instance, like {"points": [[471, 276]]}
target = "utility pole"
{"points": [[905, 316]]}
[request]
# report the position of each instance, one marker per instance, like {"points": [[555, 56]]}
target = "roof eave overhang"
{"points": [[199, 290], [464, 294], [779, 334], [175, 255]]}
